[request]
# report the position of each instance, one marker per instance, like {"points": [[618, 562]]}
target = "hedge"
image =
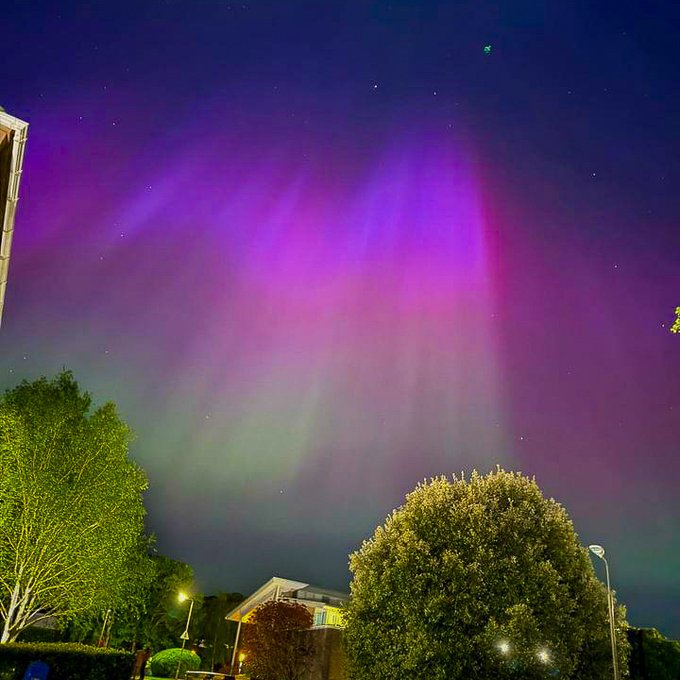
{"points": [[164, 664], [66, 661]]}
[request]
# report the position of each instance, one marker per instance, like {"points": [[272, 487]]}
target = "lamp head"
{"points": [[597, 550], [182, 597]]}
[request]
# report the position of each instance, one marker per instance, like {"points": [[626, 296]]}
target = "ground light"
{"points": [[598, 551]]}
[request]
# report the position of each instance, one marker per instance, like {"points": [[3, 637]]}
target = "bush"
{"points": [[66, 661], [37, 634], [164, 664]]}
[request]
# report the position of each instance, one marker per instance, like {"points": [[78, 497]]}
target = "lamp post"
{"points": [[102, 636], [182, 597], [598, 551]]}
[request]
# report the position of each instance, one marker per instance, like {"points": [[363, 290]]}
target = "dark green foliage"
{"points": [[214, 630], [37, 634], [653, 657], [465, 565], [156, 620], [66, 661], [164, 664]]}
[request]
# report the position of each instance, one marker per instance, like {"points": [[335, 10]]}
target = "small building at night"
{"points": [[12, 144], [326, 608]]}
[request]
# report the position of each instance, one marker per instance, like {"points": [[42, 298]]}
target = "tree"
{"points": [[653, 657], [155, 618], [164, 617], [71, 510], [217, 633], [277, 642], [675, 328], [474, 579]]}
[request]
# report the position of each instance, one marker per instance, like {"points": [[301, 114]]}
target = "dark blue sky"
{"points": [[318, 251]]}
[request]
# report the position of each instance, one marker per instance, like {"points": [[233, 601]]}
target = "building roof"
{"points": [[12, 144], [277, 588]]}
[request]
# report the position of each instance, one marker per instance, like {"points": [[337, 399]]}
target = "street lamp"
{"points": [[183, 597], [543, 655], [504, 647], [598, 551]]}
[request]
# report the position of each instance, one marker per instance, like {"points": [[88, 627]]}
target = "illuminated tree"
{"points": [[71, 512], [277, 643], [675, 328], [473, 579], [153, 617]]}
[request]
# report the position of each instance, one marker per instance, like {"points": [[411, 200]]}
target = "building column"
{"points": [[233, 655]]}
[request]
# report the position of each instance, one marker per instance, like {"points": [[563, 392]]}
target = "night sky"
{"points": [[319, 251]]}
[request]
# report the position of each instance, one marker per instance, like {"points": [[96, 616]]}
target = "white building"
{"points": [[326, 608], [12, 144]]}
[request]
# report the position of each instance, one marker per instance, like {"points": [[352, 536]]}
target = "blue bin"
{"points": [[37, 670]]}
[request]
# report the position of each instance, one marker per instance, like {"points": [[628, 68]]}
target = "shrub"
{"points": [[66, 661], [36, 634], [164, 664]]}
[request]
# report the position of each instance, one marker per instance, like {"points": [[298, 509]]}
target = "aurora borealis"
{"points": [[317, 254]]}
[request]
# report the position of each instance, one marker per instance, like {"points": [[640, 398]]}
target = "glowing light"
{"points": [[597, 550], [543, 655], [504, 647], [182, 597]]}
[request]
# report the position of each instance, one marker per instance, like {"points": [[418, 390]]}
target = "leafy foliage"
{"points": [[71, 516], [156, 619], [653, 657], [476, 579], [276, 641], [66, 661], [164, 664], [218, 634], [675, 328]]}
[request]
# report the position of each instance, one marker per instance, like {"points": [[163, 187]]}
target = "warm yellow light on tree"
{"points": [[504, 647], [182, 597], [241, 657]]}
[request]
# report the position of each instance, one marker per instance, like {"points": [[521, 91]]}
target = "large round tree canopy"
{"points": [[476, 579]]}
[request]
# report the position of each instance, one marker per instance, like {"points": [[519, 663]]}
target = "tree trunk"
{"points": [[11, 613], [19, 611]]}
